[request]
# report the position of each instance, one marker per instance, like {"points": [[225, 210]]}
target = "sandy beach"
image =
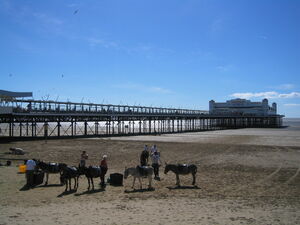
{"points": [[245, 176]]}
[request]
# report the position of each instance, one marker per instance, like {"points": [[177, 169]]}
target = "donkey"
{"points": [[137, 172], [182, 169], [69, 172], [90, 173], [50, 168]]}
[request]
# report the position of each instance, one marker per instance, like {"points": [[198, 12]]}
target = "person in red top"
{"points": [[104, 168]]}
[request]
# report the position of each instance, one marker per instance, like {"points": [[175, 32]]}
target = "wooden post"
{"points": [[27, 128], [96, 128], [72, 128], [140, 127], [85, 128], [46, 130], [58, 127], [20, 129]]}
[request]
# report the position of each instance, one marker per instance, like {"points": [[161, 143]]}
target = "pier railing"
{"points": [[40, 106]]}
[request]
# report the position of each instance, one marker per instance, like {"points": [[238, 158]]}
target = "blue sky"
{"points": [[170, 53]]}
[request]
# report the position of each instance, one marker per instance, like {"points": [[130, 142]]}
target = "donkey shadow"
{"points": [[49, 185], [140, 190], [88, 192], [66, 193], [183, 187]]}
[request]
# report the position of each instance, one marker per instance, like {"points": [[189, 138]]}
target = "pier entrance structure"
{"points": [[36, 119]]}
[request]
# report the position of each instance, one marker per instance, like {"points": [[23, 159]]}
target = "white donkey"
{"points": [[136, 173]]}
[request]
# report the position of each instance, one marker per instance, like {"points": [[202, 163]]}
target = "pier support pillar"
{"points": [[85, 128]]}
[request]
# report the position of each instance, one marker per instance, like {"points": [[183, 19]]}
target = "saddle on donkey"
{"points": [[143, 170], [183, 168]]}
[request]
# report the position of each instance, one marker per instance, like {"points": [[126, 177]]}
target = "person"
{"points": [[153, 149], [30, 168], [156, 162], [144, 156], [104, 168], [84, 157], [146, 147]]}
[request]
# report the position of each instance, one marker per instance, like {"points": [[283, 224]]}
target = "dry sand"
{"points": [[246, 176]]}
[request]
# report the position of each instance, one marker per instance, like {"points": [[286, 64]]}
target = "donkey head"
{"points": [[167, 168], [62, 180]]}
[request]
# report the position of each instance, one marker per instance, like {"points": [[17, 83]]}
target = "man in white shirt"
{"points": [[30, 167]]}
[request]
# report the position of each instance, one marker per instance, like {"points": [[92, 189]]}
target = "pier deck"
{"points": [[32, 119]]}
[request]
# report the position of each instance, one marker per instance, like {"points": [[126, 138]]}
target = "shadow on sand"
{"points": [[183, 187], [88, 192], [24, 188], [140, 190], [66, 193], [49, 185]]}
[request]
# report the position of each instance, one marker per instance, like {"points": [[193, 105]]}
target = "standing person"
{"points": [[84, 157], [104, 168], [146, 147], [144, 156], [156, 162], [30, 167], [153, 149]]}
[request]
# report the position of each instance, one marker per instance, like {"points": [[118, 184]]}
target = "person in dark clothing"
{"points": [[30, 168], [144, 157]]}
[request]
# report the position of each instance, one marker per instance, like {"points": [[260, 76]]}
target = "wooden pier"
{"points": [[32, 119]]}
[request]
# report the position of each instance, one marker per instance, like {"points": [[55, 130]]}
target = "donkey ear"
{"points": [[125, 168], [166, 163]]}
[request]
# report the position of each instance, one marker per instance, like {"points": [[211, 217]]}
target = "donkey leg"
{"points": [[140, 182], [92, 183], [89, 183], [75, 183], [67, 180], [47, 176], [70, 184], [60, 173], [194, 179], [150, 181], [66, 185], [133, 183], [177, 180]]}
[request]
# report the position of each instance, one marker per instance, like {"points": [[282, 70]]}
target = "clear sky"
{"points": [[170, 53]]}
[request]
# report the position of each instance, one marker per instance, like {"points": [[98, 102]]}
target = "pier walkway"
{"points": [[35, 119]]}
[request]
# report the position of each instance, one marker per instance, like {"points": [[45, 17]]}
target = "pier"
{"points": [[37, 119]]}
